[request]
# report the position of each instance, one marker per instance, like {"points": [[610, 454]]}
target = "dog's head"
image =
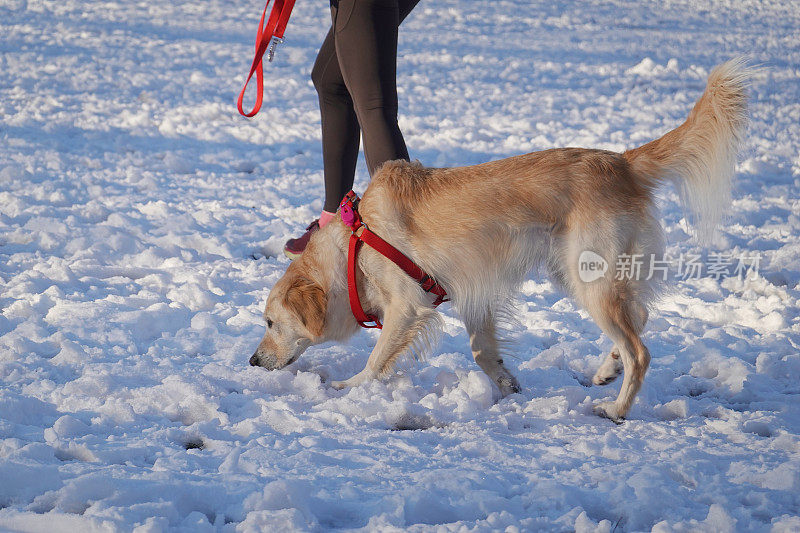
{"points": [[295, 319]]}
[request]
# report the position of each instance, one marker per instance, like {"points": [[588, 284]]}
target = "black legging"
{"points": [[355, 77]]}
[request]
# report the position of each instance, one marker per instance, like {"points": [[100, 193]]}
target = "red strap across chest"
{"points": [[364, 320], [275, 27], [348, 210]]}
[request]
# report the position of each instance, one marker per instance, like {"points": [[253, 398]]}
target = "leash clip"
{"points": [[272, 47], [348, 211]]}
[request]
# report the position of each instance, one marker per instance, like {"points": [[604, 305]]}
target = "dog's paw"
{"points": [[508, 385], [364, 376], [608, 410], [599, 379], [608, 371]]}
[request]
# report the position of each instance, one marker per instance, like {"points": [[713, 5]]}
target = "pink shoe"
{"points": [[294, 247]]}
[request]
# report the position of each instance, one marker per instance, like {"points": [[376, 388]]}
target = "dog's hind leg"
{"points": [[612, 365], [620, 319], [485, 350], [610, 369], [402, 326]]}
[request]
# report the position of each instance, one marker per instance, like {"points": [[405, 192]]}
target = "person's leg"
{"points": [[340, 124], [405, 7], [340, 139], [366, 47], [340, 129]]}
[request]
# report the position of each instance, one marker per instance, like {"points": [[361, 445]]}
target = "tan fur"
{"points": [[307, 300], [479, 230]]}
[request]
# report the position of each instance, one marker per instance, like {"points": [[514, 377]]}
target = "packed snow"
{"points": [[141, 227]]}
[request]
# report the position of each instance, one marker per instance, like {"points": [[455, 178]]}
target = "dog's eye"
{"points": [[269, 323]]}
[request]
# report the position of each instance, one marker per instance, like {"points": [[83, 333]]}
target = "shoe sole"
{"points": [[292, 255]]}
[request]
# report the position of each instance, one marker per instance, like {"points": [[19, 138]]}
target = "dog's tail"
{"points": [[699, 156]]}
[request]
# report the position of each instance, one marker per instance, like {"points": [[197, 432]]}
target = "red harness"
{"points": [[348, 210], [271, 33]]}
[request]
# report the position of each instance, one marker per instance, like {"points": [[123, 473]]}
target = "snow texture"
{"points": [[141, 224]]}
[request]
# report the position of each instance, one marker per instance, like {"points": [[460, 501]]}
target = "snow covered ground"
{"points": [[141, 223]]}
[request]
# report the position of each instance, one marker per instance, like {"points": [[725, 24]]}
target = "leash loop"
{"points": [[268, 36]]}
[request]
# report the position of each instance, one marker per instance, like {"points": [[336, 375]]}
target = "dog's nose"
{"points": [[254, 360]]}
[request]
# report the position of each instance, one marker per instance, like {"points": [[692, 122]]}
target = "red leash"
{"points": [[348, 210], [271, 33]]}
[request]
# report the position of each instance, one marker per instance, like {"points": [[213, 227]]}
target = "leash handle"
{"points": [[267, 37]]}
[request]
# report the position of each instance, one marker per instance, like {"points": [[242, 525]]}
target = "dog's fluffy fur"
{"points": [[479, 230]]}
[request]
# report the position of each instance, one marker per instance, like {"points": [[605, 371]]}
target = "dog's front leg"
{"points": [[485, 350], [400, 325]]}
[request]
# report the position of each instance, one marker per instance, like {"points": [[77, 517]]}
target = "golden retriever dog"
{"points": [[480, 230]]}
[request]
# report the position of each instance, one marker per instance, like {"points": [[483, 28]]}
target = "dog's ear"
{"points": [[308, 301]]}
